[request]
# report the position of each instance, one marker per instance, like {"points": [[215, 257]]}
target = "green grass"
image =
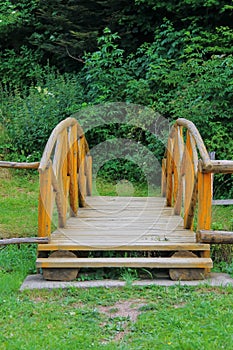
{"points": [[19, 203], [167, 317], [222, 217], [123, 188], [177, 317]]}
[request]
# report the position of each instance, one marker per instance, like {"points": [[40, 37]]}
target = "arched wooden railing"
{"points": [[65, 175], [187, 174]]}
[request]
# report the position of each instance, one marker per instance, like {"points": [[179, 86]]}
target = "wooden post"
{"points": [[189, 178], [45, 203], [89, 174], [163, 178], [81, 175], [63, 172], [204, 201], [177, 160], [169, 188], [72, 170], [180, 171]]}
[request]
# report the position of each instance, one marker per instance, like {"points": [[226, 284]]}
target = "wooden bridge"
{"points": [[151, 232]]}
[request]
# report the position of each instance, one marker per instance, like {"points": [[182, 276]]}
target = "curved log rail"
{"points": [[187, 174], [65, 175]]}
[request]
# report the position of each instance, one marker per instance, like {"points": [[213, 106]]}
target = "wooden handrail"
{"points": [[64, 174], [207, 164], [186, 174], [68, 122]]}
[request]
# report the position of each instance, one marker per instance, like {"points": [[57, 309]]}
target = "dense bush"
{"points": [[178, 75], [177, 83], [29, 117]]}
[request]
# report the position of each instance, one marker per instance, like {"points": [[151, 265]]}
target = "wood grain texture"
{"points": [[124, 262], [215, 237], [220, 166], [198, 140], [204, 201], [134, 246], [89, 174], [24, 240], [184, 274], [72, 169], [169, 172], [124, 223], [45, 202], [81, 173], [222, 202], [17, 165], [61, 274]]}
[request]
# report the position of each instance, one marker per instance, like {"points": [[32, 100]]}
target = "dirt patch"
{"points": [[3, 232], [5, 173], [122, 312], [213, 290], [180, 305]]}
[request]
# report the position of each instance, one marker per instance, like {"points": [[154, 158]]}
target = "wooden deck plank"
{"points": [[124, 223], [125, 262], [147, 246]]}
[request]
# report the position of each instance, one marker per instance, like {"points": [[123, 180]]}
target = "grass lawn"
{"points": [[99, 318]]}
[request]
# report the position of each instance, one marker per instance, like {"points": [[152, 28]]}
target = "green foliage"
{"points": [[186, 71], [177, 75], [8, 15], [29, 118], [63, 31], [104, 72], [177, 82], [20, 69], [15, 15]]}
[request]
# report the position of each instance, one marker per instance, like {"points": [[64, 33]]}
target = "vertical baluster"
{"points": [[63, 172], [45, 202], [163, 178], [81, 175], [72, 170], [89, 174], [169, 189], [193, 200], [176, 159], [180, 170], [189, 178]]}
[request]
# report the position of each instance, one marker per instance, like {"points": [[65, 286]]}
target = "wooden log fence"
{"points": [[24, 240], [215, 237], [16, 165]]}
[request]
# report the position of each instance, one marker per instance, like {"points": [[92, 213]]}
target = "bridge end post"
{"points": [[45, 200]]}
